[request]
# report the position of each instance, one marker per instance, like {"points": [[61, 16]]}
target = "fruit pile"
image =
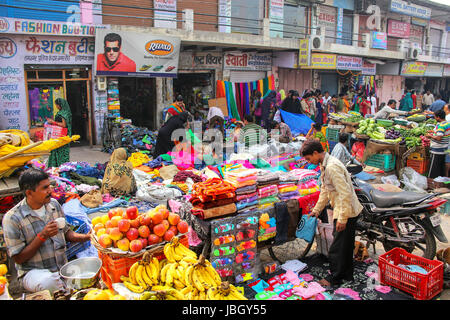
{"points": [[3, 280], [417, 118], [130, 230], [181, 276], [370, 128], [98, 294]]}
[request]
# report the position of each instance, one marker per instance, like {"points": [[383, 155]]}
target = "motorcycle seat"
{"points": [[389, 199]]}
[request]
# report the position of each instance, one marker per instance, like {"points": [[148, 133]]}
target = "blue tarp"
{"points": [[299, 123]]}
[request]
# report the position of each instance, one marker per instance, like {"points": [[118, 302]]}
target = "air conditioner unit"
{"points": [[101, 83], [413, 53], [317, 42]]}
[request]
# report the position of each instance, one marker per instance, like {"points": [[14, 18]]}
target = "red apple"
{"points": [[168, 235], [145, 219], [154, 239], [173, 229], [182, 226], [132, 212], [159, 230], [144, 242], [124, 225], [144, 231], [135, 223], [173, 219], [115, 234], [132, 234], [136, 245], [157, 217], [166, 224], [123, 244], [105, 241], [111, 213]]}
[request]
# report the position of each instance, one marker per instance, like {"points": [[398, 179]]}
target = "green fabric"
{"points": [[357, 104], [233, 106], [271, 199], [259, 163], [193, 138], [320, 136], [266, 85], [166, 157], [62, 154], [406, 104], [77, 179]]}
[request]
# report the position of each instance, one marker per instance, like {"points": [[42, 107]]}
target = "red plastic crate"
{"points": [[421, 286], [113, 267], [421, 166]]}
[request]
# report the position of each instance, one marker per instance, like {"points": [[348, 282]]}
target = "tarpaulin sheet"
{"points": [[299, 123]]}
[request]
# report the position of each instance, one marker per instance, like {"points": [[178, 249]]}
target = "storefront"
{"points": [[289, 76], [324, 74], [433, 77], [389, 83], [138, 80], [40, 62], [197, 77]]}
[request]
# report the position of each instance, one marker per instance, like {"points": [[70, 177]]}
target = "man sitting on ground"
{"points": [[340, 151]]}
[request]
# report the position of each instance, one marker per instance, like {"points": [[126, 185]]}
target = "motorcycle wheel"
{"points": [[425, 248]]}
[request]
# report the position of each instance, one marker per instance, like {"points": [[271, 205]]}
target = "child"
{"points": [[316, 133]]}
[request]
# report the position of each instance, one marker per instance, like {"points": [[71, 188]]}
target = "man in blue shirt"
{"points": [[437, 105]]}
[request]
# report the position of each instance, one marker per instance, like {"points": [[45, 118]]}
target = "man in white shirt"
{"points": [[373, 103], [447, 112], [428, 99], [326, 98], [387, 110]]}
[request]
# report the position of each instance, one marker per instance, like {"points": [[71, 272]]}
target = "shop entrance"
{"points": [[44, 86], [138, 101], [196, 89]]}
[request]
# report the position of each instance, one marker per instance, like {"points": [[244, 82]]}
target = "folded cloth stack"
{"points": [[138, 159], [267, 196], [213, 198], [241, 178], [309, 187], [267, 178], [183, 175], [157, 193], [304, 175], [287, 188]]}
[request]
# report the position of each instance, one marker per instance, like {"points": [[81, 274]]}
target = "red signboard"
{"points": [[398, 29]]}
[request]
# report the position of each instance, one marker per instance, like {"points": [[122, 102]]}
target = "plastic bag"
{"points": [[306, 228], [392, 179], [413, 181]]}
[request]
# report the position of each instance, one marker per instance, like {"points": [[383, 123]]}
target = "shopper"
{"points": [[343, 105], [386, 111], [164, 141], [63, 118], [316, 133], [285, 134], [267, 106], [292, 104], [256, 110], [319, 108], [332, 104], [438, 104], [340, 151], [304, 105], [34, 239], [414, 98], [336, 188], [326, 98], [428, 99], [373, 102], [447, 112], [406, 103], [119, 179], [216, 119], [419, 100], [440, 138], [174, 109], [312, 106], [251, 134]]}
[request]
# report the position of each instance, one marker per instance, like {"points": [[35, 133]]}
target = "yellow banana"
{"points": [[134, 288], [213, 273], [184, 251], [152, 272], [146, 276], [164, 272], [185, 290], [123, 278], [176, 255], [162, 263], [170, 274], [202, 295], [160, 288], [139, 276], [236, 295], [188, 276], [132, 273], [175, 293], [178, 284], [189, 259], [210, 293], [168, 252], [155, 262], [197, 283], [207, 277]]}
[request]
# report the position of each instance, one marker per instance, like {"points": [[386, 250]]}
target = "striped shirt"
{"points": [[442, 129], [252, 135], [21, 225]]}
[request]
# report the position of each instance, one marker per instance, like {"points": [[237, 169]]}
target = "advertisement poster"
{"points": [[410, 9], [304, 52], [165, 14], [277, 16], [413, 68], [340, 25], [349, 63], [369, 69], [247, 61], [398, 29], [327, 19], [379, 40], [323, 61], [225, 16], [131, 54]]}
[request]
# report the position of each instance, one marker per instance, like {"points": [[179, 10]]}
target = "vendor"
{"points": [[175, 108], [285, 135], [32, 236], [216, 119], [336, 188], [440, 138], [119, 179], [164, 141], [385, 111], [340, 151]]}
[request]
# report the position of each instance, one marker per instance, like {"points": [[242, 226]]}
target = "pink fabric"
{"points": [[193, 238], [292, 278], [245, 196], [383, 289], [267, 191], [348, 292], [276, 297], [313, 289], [107, 197], [306, 276], [373, 275], [174, 206]]}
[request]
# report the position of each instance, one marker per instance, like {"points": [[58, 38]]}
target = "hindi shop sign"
{"points": [[304, 52], [139, 55], [398, 29], [410, 9], [247, 61], [54, 28], [323, 61], [200, 60], [369, 69], [413, 68], [379, 40], [349, 63]]}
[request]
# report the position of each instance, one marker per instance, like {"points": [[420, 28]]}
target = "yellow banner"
{"points": [[414, 68], [323, 61], [303, 54]]}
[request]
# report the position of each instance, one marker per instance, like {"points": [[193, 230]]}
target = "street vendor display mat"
{"points": [[318, 267]]}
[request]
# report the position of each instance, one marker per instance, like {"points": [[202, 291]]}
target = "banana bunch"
{"points": [[202, 276], [191, 293], [176, 251], [168, 294], [225, 291], [143, 274]]}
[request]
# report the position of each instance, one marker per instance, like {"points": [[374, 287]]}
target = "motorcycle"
{"points": [[398, 219]]}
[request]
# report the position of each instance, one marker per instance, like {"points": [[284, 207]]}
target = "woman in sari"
{"points": [[119, 179], [63, 118]]}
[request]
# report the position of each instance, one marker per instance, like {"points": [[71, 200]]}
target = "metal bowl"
{"points": [[81, 273]]}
